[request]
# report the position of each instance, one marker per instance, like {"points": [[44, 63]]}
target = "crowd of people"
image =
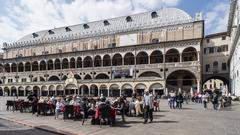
{"points": [[218, 100], [176, 99], [138, 105]]}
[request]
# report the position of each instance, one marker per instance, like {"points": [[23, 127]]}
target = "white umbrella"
{"points": [[166, 91], [191, 92], [179, 90]]}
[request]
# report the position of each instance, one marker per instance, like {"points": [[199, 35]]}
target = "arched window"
{"points": [[35, 66], [142, 58], [102, 76], [106, 60], [87, 61], [189, 54], [79, 62], [65, 64], [50, 64], [72, 63], [117, 60], [129, 19], [156, 57], [129, 59], [7, 67], [27, 66], [76, 76], [172, 55], [57, 64], [42, 65], [20, 67], [14, 67], [106, 23], [154, 14], [53, 78], [97, 61], [87, 77]]}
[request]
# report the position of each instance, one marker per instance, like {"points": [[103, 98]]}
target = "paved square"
{"points": [[191, 120]]}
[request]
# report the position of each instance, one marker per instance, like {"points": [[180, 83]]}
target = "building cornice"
{"points": [[164, 44], [235, 41], [231, 15]]}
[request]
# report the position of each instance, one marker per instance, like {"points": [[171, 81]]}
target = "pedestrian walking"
{"points": [[179, 99], [122, 107], [205, 99], [148, 107], [215, 100], [172, 99]]}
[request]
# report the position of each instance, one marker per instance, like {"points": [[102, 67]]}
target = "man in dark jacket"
{"points": [[179, 99], [215, 100]]}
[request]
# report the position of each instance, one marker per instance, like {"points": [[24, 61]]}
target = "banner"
{"points": [[123, 73]]}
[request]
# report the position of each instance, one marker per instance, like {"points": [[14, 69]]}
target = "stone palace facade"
{"points": [[152, 51]]}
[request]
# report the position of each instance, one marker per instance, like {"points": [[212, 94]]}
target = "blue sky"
{"points": [[21, 17]]}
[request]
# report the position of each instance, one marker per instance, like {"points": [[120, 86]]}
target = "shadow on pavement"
{"points": [[25, 132], [166, 121], [184, 108], [164, 111], [158, 115]]}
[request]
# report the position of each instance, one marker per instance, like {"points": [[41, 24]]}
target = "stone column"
{"points": [[89, 92], [180, 57], [38, 66], [75, 63], [40, 92], [10, 68], [24, 67], [198, 86], [98, 92], [164, 58], [46, 64], [82, 62], [53, 65], [148, 59], [82, 91], [120, 92], [69, 64], [122, 60]]}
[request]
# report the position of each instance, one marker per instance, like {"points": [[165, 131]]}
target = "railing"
{"points": [[32, 83], [85, 81], [109, 68]]}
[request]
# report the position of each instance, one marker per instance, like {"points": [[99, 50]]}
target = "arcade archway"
{"points": [[181, 79], [215, 83]]}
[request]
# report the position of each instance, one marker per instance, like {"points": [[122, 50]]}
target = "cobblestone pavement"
{"points": [[191, 120]]}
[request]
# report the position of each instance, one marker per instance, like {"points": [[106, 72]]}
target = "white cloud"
{"points": [[27, 16], [216, 18]]}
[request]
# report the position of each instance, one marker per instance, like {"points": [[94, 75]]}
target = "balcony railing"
{"points": [[86, 81], [109, 68]]}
